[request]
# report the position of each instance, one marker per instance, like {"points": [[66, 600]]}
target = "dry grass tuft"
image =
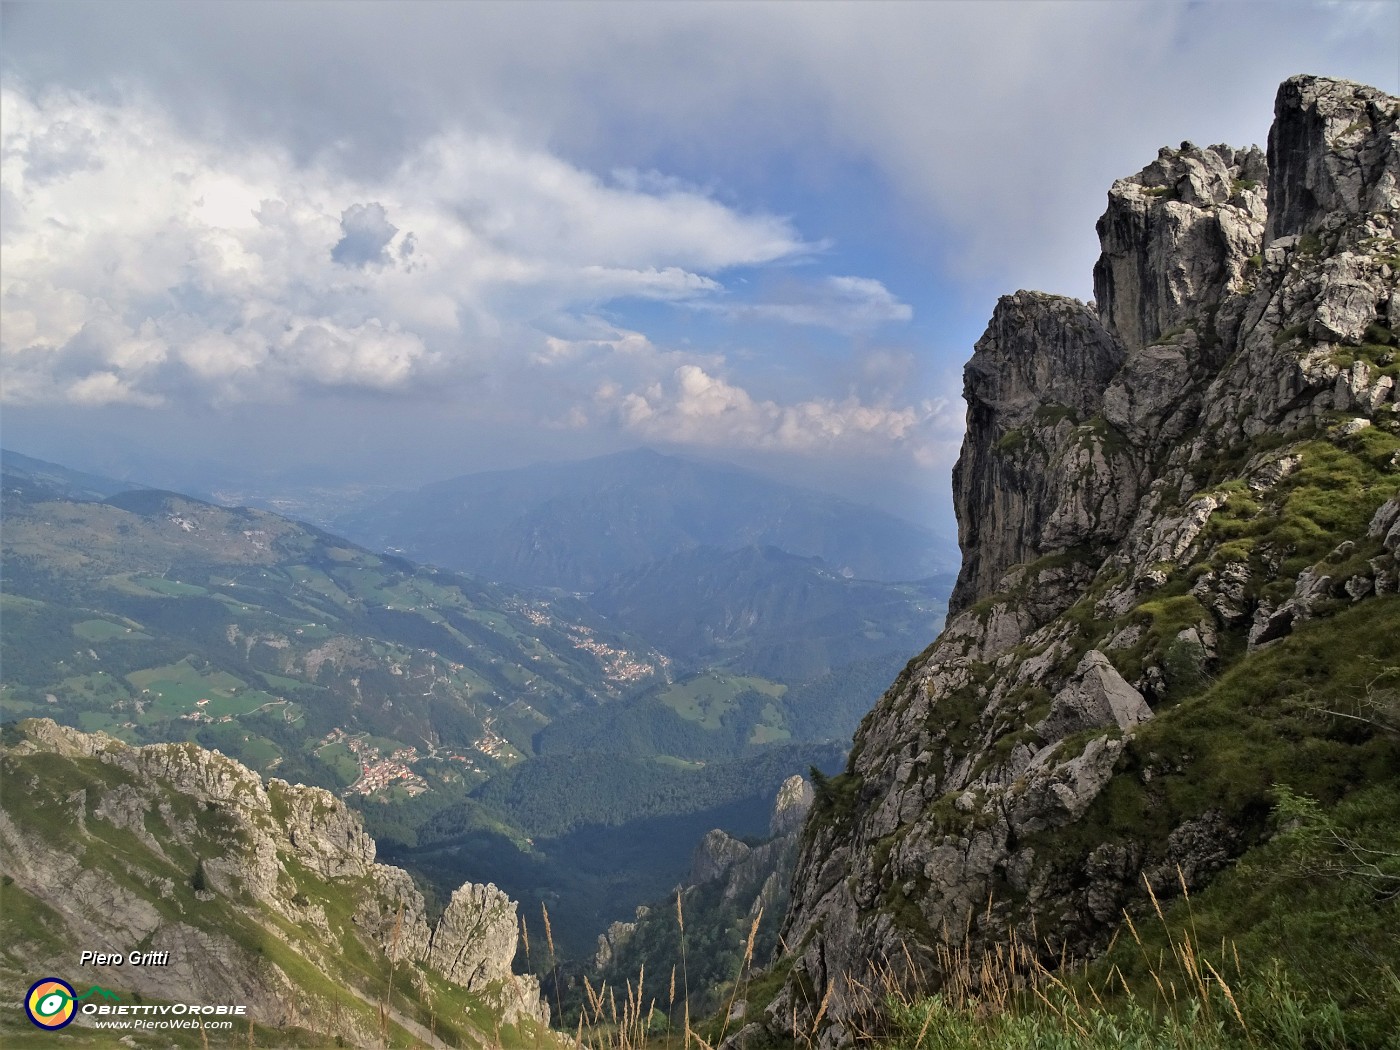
{"points": [[1013, 994]]}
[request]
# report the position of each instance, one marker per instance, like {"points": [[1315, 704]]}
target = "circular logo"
{"points": [[49, 1003]]}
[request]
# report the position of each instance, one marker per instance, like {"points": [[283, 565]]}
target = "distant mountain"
{"points": [[577, 525], [764, 611], [35, 477]]}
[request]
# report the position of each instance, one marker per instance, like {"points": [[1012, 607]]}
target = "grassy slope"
{"points": [[1299, 930]]}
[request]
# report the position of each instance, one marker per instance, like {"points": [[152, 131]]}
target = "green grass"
{"points": [[1378, 353], [706, 698], [12, 603], [672, 762], [1011, 441], [98, 687], [1162, 617], [169, 588], [101, 722], [276, 681], [341, 760], [1293, 948], [107, 631], [174, 688], [1262, 722], [1297, 909], [28, 926], [1331, 497], [770, 729], [1284, 925]]}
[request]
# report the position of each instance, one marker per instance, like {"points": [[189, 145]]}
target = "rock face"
{"points": [[1176, 237], [717, 853], [755, 875], [1151, 487], [473, 945], [1035, 376], [791, 806], [1332, 157], [736, 886], [183, 850]]}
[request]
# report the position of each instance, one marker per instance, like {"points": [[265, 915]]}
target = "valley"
{"points": [[572, 748]]}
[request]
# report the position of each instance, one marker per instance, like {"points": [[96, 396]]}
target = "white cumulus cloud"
{"points": [[696, 407], [845, 304], [143, 264]]}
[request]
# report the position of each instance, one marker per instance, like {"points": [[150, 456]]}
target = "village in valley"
{"points": [[619, 666], [381, 773]]}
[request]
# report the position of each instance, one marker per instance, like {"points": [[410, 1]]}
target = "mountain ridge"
{"points": [[157, 617], [40, 475], [763, 610], [576, 525]]}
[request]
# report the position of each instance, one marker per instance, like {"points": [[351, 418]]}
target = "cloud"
{"points": [[696, 407], [144, 266], [177, 180], [528, 202], [107, 388], [368, 232], [679, 396], [60, 150], [844, 304], [999, 125]]}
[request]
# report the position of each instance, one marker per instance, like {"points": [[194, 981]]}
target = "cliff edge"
{"points": [[1170, 502]]}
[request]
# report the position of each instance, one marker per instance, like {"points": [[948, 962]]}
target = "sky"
{"points": [[253, 245]]}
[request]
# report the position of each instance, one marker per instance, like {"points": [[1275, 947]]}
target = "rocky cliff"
{"points": [[756, 876], [262, 894], [1176, 505], [734, 897]]}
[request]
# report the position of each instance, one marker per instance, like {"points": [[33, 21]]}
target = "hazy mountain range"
{"points": [[766, 611], [576, 525]]}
